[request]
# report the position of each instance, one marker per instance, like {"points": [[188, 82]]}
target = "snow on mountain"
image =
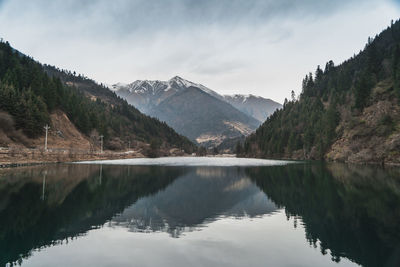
{"points": [[146, 95], [242, 98], [115, 87], [190, 108], [255, 106], [195, 110], [157, 87]]}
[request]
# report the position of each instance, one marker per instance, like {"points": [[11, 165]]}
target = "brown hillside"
{"points": [[62, 135], [372, 136]]}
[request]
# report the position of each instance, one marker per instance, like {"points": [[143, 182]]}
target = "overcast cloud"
{"points": [[262, 47]]}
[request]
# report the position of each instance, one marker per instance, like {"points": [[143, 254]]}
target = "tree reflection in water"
{"points": [[352, 211]]}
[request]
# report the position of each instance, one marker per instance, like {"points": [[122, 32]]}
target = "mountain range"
{"points": [[196, 111]]}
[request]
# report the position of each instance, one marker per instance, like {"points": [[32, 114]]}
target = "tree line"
{"points": [[30, 92], [309, 122]]}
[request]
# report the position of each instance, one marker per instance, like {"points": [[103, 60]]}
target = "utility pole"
{"points": [[45, 140], [101, 142]]}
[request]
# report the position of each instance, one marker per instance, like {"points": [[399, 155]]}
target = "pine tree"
{"points": [[238, 148], [362, 91]]}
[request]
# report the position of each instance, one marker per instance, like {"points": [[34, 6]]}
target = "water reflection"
{"points": [[200, 195], [353, 211], [347, 211], [42, 206]]}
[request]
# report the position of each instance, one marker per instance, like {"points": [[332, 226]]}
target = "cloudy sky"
{"points": [[262, 47]]}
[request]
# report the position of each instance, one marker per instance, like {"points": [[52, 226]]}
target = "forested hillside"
{"points": [[348, 112], [30, 92], [192, 109], [203, 118]]}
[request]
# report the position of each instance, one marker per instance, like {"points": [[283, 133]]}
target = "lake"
{"points": [[200, 212]]}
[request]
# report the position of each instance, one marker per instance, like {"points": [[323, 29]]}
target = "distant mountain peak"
{"points": [[157, 87], [241, 97], [177, 78], [246, 97], [191, 108], [181, 83], [256, 106]]}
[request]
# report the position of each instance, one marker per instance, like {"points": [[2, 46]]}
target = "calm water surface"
{"points": [[200, 212]]}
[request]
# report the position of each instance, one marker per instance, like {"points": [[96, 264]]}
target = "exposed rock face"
{"points": [[371, 137]]}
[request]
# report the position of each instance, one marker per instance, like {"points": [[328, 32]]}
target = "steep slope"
{"points": [[347, 113], [62, 134], [30, 92], [202, 117], [255, 106]]}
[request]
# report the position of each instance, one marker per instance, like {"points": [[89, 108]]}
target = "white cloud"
{"points": [[259, 47]]}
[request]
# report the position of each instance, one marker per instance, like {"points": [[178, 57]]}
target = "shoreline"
{"points": [[32, 157], [20, 162]]}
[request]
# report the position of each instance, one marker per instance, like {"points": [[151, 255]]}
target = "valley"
{"points": [[347, 112], [214, 133], [197, 112]]}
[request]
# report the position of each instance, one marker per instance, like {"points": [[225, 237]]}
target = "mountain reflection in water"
{"points": [[347, 211], [199, 196]]}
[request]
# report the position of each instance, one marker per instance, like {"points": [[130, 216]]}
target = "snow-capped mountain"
{"points": [[190, 108], [256, 106], [145, 94], [156, 87]]}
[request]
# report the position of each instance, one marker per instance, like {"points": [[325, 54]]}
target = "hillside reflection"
{"points": [[347, 211], [202, 194], [352, 211], [44, 206]]}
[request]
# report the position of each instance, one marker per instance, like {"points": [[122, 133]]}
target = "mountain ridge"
{"points": [[215, 119], [153, 97], [148, 93]]}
